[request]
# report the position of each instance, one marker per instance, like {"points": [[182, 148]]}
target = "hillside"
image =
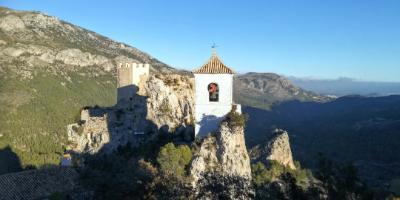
{"points": [[360, 130], [262, 90], [49, 69]]}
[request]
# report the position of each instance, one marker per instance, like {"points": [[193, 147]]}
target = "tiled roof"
{"points": [[214, 66]]}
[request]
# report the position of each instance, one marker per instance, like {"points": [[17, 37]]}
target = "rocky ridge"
{"points": [[39, 40]]}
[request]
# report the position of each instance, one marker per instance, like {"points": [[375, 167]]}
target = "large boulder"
{"points": [[277, 148]]}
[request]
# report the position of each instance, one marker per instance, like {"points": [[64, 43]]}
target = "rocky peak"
{"points": [[277, 148], [40, 40], [223, 154]]}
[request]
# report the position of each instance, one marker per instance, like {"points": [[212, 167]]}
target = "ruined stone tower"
{"points": [[129, 77]]}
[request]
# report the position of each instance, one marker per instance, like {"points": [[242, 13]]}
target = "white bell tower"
{"points": [[213, 90]]}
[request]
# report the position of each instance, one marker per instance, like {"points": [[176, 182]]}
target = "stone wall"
{"points": [[129, 77]]}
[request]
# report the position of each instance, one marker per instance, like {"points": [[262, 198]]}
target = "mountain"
{"points": [[49, 70], [347, 86], [262, 90], [58, 80], [360, 130]]}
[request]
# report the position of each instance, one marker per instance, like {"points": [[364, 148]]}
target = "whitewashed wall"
{"points": [[208, 114]]}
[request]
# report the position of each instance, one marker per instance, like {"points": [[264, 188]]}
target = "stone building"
{"points": [[129, 76], [213, 95]]}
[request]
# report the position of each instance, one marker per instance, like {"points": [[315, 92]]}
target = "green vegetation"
{"points": [[330, 180], [35, 112], [341, 181], [293, 183], [154, 170], [236, 119], [256, 101], [173, 160], [266, 174]]}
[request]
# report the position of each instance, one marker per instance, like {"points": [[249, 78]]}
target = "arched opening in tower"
{"points": [[213, 92]]}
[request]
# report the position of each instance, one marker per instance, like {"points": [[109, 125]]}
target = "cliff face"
{"points": [[277, 148], [162, 102], [170, 100], [222, 162]]}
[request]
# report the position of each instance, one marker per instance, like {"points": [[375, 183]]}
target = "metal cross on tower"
{"points": [[213, 46]]}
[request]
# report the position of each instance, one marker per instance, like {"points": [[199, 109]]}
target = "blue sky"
{"points": [[321, 38]]}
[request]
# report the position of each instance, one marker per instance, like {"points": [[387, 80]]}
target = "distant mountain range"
{"points": [[347, 86], [262, 90]]}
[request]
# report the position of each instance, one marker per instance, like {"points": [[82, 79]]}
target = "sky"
{"points": [[328, 39]]}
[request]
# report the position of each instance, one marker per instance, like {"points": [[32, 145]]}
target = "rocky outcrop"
{"points": [[79, 58], [222, 162], [277, 148], [11, 23], [159, 105], [170, 100]]}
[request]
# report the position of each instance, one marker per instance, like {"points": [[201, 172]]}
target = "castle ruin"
{"points": [[129, 76]]}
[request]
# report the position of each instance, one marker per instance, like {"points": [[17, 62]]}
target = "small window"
{"points": [[213, 91]]}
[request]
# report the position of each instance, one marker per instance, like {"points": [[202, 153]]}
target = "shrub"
{"points": [[164, 107], [78, 129], [265, 174], [176, 81], [236, 119], [173, 160]]}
